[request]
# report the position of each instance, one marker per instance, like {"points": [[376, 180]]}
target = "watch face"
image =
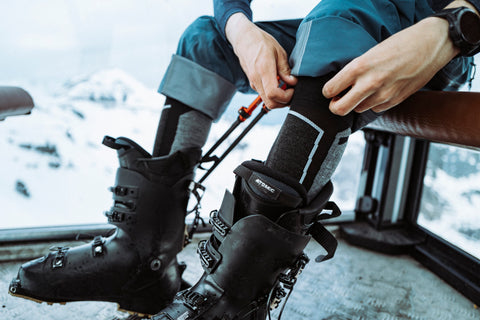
{"points": [[470, 26]]}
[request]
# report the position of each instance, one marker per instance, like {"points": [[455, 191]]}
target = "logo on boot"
{"points": [[263, 187]]}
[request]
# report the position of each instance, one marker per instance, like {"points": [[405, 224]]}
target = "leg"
{"points": [[360, 26], [201, 80], [259, 230], [136, 266], [312, 139]]}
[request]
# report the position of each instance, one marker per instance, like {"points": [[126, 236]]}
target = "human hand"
{"points": [[262, 59], [391, 71]]}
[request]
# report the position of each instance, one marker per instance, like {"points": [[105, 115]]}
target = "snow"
{"points": [[451, 197], [93, 67], [56, 172], [69, 186], [111, 86]]}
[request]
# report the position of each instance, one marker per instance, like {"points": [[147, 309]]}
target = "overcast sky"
{"points": [[54, 40]]}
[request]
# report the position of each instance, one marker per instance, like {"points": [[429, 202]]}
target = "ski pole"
{"points": [[244, 114], [216, 160], [197, 188]]}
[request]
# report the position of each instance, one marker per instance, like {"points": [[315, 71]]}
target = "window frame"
{"points": [[458, 268], [455, 266]]}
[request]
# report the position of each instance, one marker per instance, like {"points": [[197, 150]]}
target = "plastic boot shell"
{"points": [[250, 258], [255, 252], [136, 266]]}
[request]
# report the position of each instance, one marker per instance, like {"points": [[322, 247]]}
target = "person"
{"points": [[345, 63]]}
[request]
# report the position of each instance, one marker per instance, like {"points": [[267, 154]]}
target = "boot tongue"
{"points": [[260, 190], [265, 196], [227, 208], [175, 162], [128, 151]]}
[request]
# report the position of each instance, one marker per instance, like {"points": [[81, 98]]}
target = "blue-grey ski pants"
{"points": [[205, 73]]}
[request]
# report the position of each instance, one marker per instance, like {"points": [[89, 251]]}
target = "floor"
{"points": [[356, 285]]}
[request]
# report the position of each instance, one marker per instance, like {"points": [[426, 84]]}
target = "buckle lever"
{"points": [[97, 246]]}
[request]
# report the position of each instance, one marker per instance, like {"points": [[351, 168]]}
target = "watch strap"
{"points": [[452, 15]]}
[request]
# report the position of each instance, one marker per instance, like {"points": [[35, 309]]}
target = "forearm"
{"points": [[391, 71], [224, 9], [236, 25]]}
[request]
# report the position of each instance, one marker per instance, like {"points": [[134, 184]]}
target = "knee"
{"points": [[199, 36]]}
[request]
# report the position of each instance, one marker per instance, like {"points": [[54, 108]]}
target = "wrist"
{"points": [[437, 29], [235, 27], [462, 3], [464, 28]]}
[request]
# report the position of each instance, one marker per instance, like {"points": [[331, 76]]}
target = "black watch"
{"points": [[464, 29]]}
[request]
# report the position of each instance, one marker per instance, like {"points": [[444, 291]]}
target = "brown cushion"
{"points": [[14, 101], [449, 117]]}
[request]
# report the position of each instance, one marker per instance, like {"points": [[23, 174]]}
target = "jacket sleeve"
{"points": [[223, 9], [475, 3]]}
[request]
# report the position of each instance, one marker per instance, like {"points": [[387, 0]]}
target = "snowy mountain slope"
{"points": [[110, 87], [56, 153], [451, 196], [55, 170]]}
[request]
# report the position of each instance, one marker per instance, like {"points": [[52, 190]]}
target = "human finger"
{"points": [[352, 98], [276, 104], [371, 102], [343, 80], [276, 97], [266, 82], [284, 71]]}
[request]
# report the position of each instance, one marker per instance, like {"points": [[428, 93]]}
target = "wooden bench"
{"points": [[14, 101]]}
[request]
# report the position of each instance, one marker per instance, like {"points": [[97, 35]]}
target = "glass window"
{"points": [[451, 196], [347, 176], [92, 69]]}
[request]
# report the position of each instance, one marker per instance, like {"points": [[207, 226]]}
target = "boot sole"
{"points": [[119, 308]]}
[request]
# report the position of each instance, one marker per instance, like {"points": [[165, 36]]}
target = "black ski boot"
{"points": [[256, 250], [135, 267]]}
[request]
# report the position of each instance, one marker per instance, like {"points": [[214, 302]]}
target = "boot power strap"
{"points": [[325, 239]]}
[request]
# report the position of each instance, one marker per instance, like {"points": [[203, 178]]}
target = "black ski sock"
{"points": [[180, 127], [312, 139]]}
